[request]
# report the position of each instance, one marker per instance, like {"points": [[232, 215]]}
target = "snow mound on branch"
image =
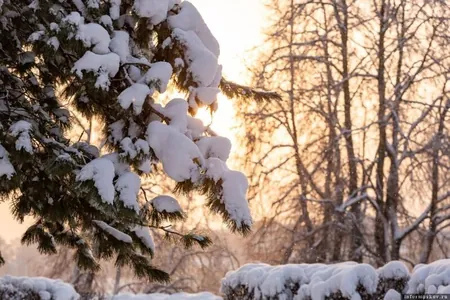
{"points": [[119, 166], [165, 203], [159, 74], [195, 128], [176, 110], [207, 95], [234, 195], [74, 18], [158, 296], [119, 44], [143, 233], [189, 18], [114, 10], [128, 185], [176, 151], [93, 34], [215, 146], [136, 95], [106, 21], [155, 10], [21, 130], [116, 131], [103, 65], [431, 278], [6, 168], [203, 64], [101, 171], [117, 234], [46, 288]]}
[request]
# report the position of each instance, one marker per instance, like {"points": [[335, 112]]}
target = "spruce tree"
{"points": [[111, 60]]}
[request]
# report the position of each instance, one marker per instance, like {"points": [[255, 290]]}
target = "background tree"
{"points": [[358, 145]]}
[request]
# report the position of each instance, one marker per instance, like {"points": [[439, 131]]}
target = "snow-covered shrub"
{"points": [[347, 280], [38, 288], [301, 282], [433, 278], [394, 275], [158, 296]]}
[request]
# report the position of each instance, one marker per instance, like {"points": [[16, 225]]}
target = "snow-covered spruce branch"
{"points": [[107, 69]]}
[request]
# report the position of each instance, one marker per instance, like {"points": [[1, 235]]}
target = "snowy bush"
{"points": [[39, 288], [346, 280], [392, 276], [431, 278], [302, 282], [178, 296]]}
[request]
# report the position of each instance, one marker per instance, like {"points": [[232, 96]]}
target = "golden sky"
{"points": [[237, 25]]}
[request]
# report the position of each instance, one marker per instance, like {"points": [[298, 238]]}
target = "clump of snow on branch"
{"points": [[176, 110], [102, 65], [120, 44], [21, 131], [93, 34], [101, 171], [155, 10], [189, 19], [167, 143], [143, 233], [215, 146], [165, 203], [6, 168], [195, 128], [203, 63], [117, 234], [46, 288], [136, 95], [128, 185], [234, 185], [158, 75], [207, 95]]}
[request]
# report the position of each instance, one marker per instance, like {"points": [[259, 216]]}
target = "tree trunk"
{"points": [[380, 240]]}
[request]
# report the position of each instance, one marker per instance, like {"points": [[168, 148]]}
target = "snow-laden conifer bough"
{"points": [[112, 60]]}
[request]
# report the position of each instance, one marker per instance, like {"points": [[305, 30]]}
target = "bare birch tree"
{"points": [[357, 148]]}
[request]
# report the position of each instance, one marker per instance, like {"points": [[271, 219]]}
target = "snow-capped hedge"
{"points": [[37, 288], [179, 296], [346, 280]]}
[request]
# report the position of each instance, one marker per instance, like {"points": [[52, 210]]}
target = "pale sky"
{"points": [[237, 25]]}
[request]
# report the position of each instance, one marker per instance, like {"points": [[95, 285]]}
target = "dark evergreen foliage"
{"points": [[39, 88]]}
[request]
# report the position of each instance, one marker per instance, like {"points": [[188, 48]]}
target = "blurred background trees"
{"points": [[358, 146]]}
